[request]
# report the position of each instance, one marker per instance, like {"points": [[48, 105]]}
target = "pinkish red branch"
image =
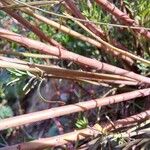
{"points": [[63, 54], [77, 13], [121, 16], [54, 141], [77, 135], [69, 109], [33, 28], [97, 31], [129, 120]]}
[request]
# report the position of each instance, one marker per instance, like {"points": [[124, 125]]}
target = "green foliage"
{"points": [[5, 112], [142, 12], [82, 123], [143, 68], [62, 38], [94, 13], [4, 79], [15, 83], [17, 73], [2, 14], [15, 28], [47, 29], [2, 18]]}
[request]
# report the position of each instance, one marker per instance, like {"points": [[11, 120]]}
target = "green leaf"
{"points": [[5, 112]]}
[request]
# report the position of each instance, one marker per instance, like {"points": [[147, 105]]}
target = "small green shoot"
{"points": [[82, 123]]}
